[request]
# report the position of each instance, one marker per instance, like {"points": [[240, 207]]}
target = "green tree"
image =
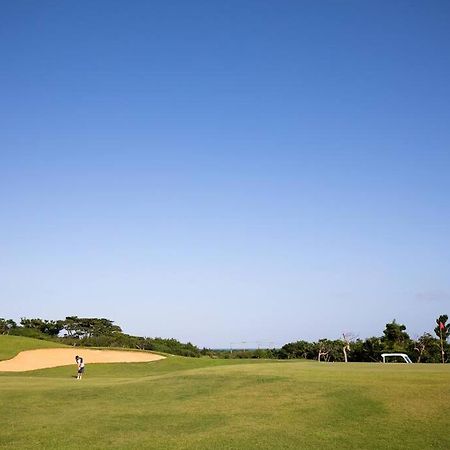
{"points": [[6, 325], [367, 350], [395, 337], [442, 332], [88, 327], [49, 327], [298, 349], [427, 348], [328, 350]]}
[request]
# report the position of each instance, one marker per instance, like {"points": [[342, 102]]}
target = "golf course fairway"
{"points": [[189, 403]]}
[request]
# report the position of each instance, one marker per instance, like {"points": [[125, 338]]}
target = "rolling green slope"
{"points": [[183, 403], [12, 345]]}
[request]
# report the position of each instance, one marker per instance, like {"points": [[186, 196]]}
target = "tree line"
{"points": [[93, 332], [424, 349], [101, 332]]}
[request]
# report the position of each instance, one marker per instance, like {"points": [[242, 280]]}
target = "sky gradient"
{"points": [[226, 171]]}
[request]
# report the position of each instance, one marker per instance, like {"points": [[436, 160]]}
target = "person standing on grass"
{"points": [[80, 364]]}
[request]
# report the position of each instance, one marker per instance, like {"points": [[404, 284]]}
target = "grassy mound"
{"points": [[183, 403], [10, 346]]}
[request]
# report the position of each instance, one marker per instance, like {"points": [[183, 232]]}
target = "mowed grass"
{"points": [[12, 345], [182, 403]]}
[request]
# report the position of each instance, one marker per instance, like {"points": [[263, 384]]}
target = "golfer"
{"points": [[80, 364]]}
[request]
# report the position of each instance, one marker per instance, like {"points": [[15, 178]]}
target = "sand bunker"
{"points": [[54, 357]]}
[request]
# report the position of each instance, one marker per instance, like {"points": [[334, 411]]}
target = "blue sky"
{"points": [[226, 171]]}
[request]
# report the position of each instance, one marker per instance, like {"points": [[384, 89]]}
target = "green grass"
{"points": [[182, 403], [11, 345]]}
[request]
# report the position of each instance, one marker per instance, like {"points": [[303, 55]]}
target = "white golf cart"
{"points": [[404, 356]]}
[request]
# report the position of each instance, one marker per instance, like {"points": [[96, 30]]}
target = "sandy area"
{"points": [[53, 357]]}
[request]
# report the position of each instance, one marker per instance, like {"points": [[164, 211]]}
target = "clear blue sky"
{"points": [[223, 171]]}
